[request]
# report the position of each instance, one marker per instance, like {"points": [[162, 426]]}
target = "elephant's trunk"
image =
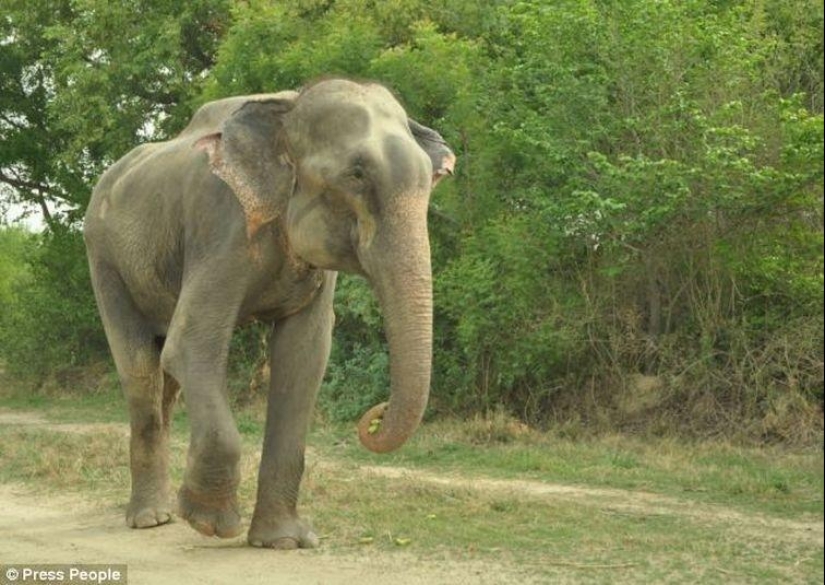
{"points": [[398, 264]]}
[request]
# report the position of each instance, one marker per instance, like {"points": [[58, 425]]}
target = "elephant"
{"points": [[248, 215]]}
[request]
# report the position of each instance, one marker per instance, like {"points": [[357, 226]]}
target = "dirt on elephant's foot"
{"points": [[211, 516], [287, 534]]}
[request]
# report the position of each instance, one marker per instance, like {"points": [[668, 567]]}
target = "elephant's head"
{"points": [[349, 175]]}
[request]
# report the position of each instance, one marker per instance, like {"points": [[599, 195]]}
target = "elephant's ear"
{"points": [[436, 147], [249, 155]]}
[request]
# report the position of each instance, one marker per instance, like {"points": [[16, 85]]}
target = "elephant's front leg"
{"points": [[195, 353], [299, 349]]}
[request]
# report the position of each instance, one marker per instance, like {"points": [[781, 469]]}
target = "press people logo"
{"points": [[97, 574]]}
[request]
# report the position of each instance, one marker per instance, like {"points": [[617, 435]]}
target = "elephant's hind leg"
{"points": [[149, 396]]}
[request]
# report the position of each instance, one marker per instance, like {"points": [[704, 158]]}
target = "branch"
{"points": [[21, 184], [47, 215], [36, 193]]}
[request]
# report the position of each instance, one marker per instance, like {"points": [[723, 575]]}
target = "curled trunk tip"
{"points": [[378, 437], [371, 429]]}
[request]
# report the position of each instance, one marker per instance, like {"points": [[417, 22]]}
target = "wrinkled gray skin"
{"points": [[246, 215]]}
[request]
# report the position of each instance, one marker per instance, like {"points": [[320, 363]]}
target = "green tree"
{"points": [[14, 273], [50, 323], [82, 82], [76, 95]]}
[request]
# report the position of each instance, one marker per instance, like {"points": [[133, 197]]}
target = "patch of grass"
{"points": [[544, 536], [58, 460], [779, 481], [102, 403], [251, 424]]}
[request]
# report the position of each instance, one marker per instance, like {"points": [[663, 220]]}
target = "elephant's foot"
{"points": [[210, 515], [148, 508], [147, 512], [284, 534]]}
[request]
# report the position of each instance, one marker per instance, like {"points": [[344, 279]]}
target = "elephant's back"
{"points": [[174, 161], [134, 177]]}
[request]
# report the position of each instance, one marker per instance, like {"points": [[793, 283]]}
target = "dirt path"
{"points": [[70, 529]]}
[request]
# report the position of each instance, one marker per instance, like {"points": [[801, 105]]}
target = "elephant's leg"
{"points": [[137, 359], [299, 349], [195, 354], [149, 445]]}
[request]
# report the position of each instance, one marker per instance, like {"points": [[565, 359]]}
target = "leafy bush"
{"points": [[51, 322]]}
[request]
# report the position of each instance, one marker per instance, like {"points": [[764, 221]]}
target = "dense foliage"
{"points": [[639, 195]]}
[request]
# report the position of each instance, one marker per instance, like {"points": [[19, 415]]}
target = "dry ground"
{"points": [[71, 530]]}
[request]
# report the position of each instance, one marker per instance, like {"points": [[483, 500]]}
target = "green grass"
{"points": [[549, 537], [774, 480], [671, 512], [104, 405], [56, 460]]}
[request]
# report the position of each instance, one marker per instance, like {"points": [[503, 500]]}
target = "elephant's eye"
{"points": [[357, 178], [358, 169]]}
